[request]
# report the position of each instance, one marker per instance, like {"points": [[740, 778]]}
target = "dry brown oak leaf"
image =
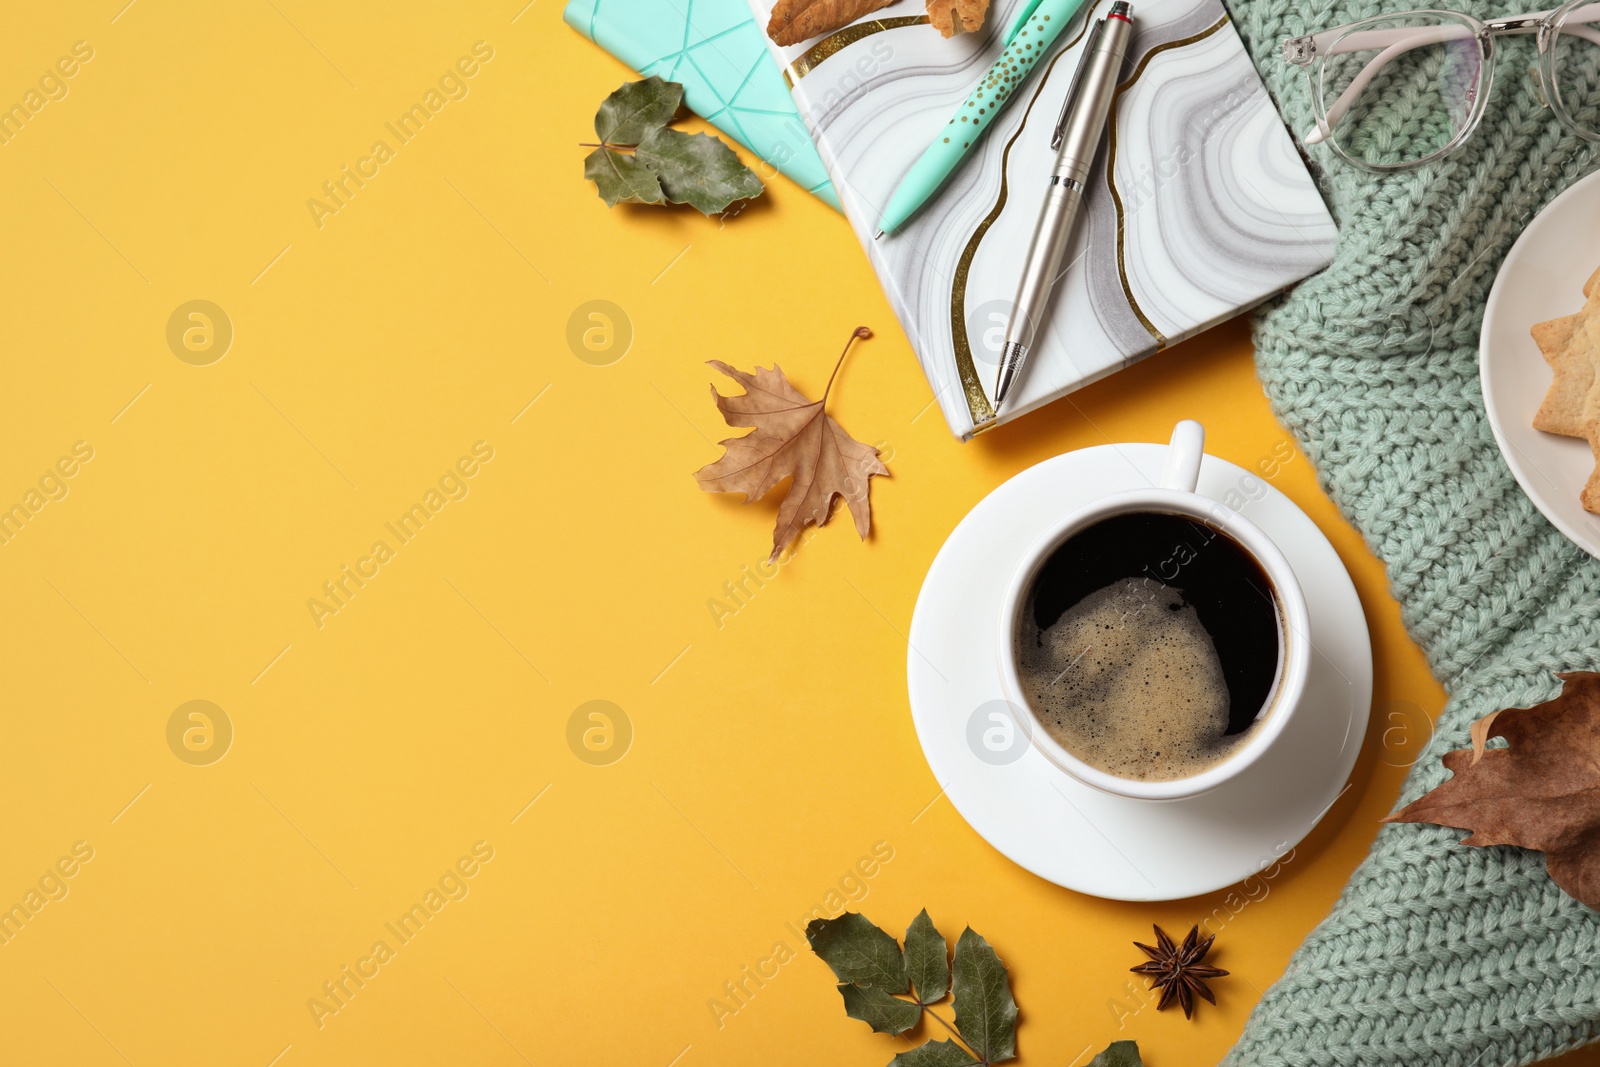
{"points": [[794, 21], [1542, 792], [793, 437], [952, 17]]}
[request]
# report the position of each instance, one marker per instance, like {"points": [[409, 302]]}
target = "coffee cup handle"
{"points": [[1184, 453]]}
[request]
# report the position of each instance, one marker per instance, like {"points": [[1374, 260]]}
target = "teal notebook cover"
{"points": [[716, 50]]}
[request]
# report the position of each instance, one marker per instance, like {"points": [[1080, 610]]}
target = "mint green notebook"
{"points": [[716, 50]]}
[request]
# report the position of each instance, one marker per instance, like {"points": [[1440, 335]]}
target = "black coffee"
{"points": [[1149, 645]]}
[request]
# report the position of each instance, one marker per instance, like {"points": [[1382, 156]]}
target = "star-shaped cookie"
{"points": [[1571, 345]]}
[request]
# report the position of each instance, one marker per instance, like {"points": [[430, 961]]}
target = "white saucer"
{"points": [[1072, 834], [1542, 278]]}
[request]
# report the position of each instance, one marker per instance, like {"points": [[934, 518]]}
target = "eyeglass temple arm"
{"points": [[1588, 33]]}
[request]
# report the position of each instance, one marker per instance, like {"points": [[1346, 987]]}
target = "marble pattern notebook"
{"points": [[717, 52], [1199, 207]]}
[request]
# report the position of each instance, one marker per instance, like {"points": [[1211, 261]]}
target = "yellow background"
{"points": [[769, 754]]}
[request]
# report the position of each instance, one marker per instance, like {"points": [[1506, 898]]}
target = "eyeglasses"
{"points": [[1398, 91]]}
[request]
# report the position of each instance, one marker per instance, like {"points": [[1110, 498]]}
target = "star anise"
{"points": [[1177, 970]]}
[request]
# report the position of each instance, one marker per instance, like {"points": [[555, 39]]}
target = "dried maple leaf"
{"points": [[794, 21], [793, 437], [1542, 792], [952, 17]]}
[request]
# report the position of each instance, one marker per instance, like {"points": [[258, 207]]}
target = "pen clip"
{"points": [[1077, 83]]}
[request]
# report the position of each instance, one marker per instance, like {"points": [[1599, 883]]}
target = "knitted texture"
{"points": [[1436, 953]]}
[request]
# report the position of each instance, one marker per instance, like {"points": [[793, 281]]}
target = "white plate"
{"points": [[1067, 832], [1542, 278]]}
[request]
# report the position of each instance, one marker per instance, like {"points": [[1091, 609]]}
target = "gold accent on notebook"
{"points": [[837, 42], [1111, 173]]}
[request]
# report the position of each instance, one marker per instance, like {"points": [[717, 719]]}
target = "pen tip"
{"points": [[877, 235], [1010, 362]]}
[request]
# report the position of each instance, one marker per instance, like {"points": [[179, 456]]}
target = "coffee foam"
{"points": [[1129, 681]]}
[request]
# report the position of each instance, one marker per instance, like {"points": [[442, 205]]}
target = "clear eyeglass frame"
{"points": [[1311, 51]]}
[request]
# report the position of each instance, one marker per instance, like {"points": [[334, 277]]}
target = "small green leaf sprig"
{"points": [[640, 160], [890, 988], [1119, 1054]]}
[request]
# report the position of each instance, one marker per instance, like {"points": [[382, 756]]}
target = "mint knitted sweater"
{"points": [[1436, 953]]}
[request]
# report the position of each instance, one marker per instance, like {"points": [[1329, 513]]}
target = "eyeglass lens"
{"points": [[1574, 65], [1396, 90]]}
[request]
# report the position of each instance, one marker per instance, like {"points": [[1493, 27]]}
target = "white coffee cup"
{"points": [[1175, 495]]}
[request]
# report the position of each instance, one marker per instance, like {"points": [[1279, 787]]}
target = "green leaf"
{"points": [[636, 109], [986, 1014], [884, 1013], [697, 169], [935, 1054], [1119, 1054], [858, 952], [927, 959], [620, 178]]}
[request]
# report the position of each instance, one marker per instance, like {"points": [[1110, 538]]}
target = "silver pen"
{"points": [[1077, 137]]}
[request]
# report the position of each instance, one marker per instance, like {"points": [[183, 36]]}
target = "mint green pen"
{"points": [[1034, 30]]}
